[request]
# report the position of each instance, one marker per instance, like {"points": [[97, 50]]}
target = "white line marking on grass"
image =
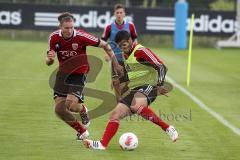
{"points": [[205, 107]]}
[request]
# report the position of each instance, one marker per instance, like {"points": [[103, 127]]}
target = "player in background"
{"points": [[146, 74], [110, 32], [69, 44]]}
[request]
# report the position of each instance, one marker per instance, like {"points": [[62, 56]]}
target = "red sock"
{"points": [[77, 126], [110, 131], [148, 114]]}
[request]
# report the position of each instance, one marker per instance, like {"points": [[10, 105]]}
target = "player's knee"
{"points": [[135, 108], [115, 82], [72, 106], [114, 116], [59, 109], [68, 104]]}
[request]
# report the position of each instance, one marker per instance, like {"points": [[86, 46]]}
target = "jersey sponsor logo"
{"points": [[10, 18], [74, 46], [67, 54]]}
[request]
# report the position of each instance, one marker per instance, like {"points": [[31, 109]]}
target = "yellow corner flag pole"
{"points": [[190, 50]]}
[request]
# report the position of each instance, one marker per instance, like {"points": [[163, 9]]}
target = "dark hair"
{"points": [[122, 35], [118, 6], [65, 17]]}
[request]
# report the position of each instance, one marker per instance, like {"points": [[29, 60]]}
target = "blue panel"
{"points": [[180, 33]]}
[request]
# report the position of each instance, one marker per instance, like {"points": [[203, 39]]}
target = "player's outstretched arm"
{"points": [[162, 71], [50, 57], [109, 51]]}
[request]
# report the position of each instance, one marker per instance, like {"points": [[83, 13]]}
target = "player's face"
{"points": [[67, 28], [125, 45], [119, 14]]}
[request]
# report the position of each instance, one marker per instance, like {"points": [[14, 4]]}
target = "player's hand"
{"points": [[50, 57], [162, 90], [119, 70]]}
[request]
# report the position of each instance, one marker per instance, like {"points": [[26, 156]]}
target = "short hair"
{"points": [[65, 17], [122, 35], [118, 6]]}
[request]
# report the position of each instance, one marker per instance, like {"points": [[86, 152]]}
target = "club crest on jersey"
{"points": [[74, 46]]}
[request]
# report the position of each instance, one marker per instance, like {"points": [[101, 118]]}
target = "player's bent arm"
{"points": [[50, 57], [106, 48], [154, 62], [162, 71], [111, 55], [106, 57]]}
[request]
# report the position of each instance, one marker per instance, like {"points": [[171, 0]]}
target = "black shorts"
{"points": [[124, 78], [69, 84], [148, 90]]}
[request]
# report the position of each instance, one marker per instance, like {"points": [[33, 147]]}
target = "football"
{"points": [[128, 141]]}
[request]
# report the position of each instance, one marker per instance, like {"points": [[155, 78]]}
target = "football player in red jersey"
{"points": [[146, 73], [110, 31], [69, 45]]}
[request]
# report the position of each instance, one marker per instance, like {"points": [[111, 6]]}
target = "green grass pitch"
{"points": [[29, 129]]}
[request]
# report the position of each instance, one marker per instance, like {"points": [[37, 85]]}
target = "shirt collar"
{"points": [[119, 24]]}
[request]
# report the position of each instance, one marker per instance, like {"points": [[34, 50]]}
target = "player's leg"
{"points": [[64, 85], [119, 84], [119, 112], [116, 88], [62, 111], [74, 104], [124, 81], [74, 100], [140, 105]]}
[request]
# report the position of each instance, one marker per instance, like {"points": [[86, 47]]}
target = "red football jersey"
{"points": [[71, 52], [145, 56]]}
